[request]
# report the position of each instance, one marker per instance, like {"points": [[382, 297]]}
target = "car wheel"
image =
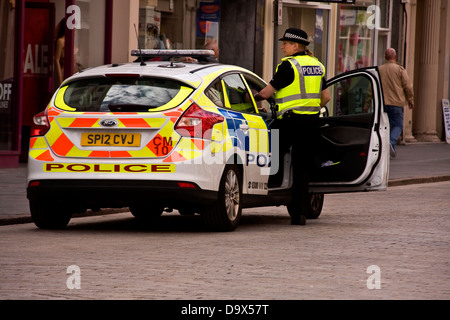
{"points": [[225, 213], [313, 211], [146, 211], [49, 217]]}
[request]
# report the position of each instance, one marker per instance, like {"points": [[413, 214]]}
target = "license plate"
{"points": [[110, 139]]}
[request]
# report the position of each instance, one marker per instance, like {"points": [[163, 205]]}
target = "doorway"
{"points": [[38, 65]]}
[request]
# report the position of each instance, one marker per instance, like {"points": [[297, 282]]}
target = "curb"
{"points": [[417, 180]]}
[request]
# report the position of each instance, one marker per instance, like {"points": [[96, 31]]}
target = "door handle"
{"points": [[244, 127]]}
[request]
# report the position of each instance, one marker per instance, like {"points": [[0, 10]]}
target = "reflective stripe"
{"points": [[300, 101], [298, 97]]}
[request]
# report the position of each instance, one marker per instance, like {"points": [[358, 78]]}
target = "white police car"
{"points": [[160, 135]]}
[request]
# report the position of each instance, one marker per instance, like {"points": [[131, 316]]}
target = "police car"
{"points": [[162, 134]]}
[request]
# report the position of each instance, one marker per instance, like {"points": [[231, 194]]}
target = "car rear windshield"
{"points": [[122, 94]]}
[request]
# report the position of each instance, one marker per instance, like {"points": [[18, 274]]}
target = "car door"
{"points": [[354, 137], [251, 130]]}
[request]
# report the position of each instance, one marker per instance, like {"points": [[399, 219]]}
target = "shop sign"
{"points": [[446, 110], [208, 19], [348, 17], [5, 95], [319, 26]]}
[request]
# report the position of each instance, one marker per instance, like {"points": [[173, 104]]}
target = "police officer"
{"points": [[298, 85]]}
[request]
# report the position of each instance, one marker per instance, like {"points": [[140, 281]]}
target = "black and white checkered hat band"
{"points": [[289, 35]]}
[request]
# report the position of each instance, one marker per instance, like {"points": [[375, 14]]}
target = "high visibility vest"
{"points": [[303, 95]]}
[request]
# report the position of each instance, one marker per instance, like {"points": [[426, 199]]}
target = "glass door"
{"points": [[313, 20]]}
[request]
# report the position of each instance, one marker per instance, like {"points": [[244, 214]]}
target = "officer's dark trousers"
{"points": [[302, 132]]}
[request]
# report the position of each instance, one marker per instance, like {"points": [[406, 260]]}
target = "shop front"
{"points": [[45, 42], [235, 26], [10, 82], [312, 18], [364, 34], [344, 35]]}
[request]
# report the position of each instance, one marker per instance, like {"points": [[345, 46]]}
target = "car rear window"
{"points": [[122, 94]]}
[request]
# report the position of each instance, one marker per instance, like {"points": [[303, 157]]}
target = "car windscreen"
{"points": [[122, 94]]}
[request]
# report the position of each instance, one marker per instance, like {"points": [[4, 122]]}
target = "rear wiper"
{"points": [[129, 107]]}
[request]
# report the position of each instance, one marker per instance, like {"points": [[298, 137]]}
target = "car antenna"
{"points": [[139, 46]]}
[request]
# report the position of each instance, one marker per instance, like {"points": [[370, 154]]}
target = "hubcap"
{"points": [[232, 195]]}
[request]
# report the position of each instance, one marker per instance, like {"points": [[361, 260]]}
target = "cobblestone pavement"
{"points": [[400, 237]]}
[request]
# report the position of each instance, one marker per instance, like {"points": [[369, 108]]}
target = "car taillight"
{"points": [[40, 125], [34, 184], [197, 123], [187, 185]]}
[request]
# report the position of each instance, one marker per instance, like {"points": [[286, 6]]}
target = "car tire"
{"points": [[313, 211], [49, 217], [146, 211], [225, 213]]}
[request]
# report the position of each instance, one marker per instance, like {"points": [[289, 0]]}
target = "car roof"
{"points": [[190, 73]]}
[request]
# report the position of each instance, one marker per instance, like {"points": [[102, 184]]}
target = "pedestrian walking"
{"points": [[398, 92], [298, 87]]}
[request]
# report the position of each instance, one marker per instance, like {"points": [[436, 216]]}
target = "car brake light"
{"points": [[34, 184], [197, 123], [40, 124], [186, 185]]}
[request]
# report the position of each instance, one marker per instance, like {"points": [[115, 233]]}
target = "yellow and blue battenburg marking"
{"points": [[234, 121], [253, 140]]}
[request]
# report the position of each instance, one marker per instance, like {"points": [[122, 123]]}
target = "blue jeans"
{"points": [[395, 115]]}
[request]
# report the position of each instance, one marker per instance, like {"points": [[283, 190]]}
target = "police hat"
{"points": [[295, 35]]}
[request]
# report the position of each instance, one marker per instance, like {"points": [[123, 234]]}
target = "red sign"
{"points": [[37, 59]]}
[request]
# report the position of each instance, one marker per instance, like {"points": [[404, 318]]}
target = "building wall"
{"points": [[431, 68], [444, 61], [125, 17], [409, 47], [237, 32]]}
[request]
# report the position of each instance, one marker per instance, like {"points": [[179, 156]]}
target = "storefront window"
{"points": [[7, 116], [314, 22], [150, 28], [89, 31], [355, 44], [168, 24], [385, 9], [383, 31], [89, 40]]}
